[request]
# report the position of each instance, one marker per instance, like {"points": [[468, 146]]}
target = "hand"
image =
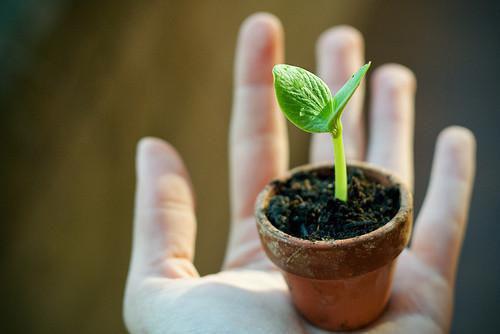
{"points": [[165, 293]]}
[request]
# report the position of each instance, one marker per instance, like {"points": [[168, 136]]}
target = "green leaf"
{"points": [[303, 97], [344, 95]]}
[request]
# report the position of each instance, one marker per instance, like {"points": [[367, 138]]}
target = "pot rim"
{"points": [[405, 209]]}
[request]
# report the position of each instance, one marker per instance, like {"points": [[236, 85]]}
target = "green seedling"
{"points": [[308, 103]]}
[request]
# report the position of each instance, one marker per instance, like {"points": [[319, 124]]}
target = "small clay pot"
{"points": [[339, 284]]}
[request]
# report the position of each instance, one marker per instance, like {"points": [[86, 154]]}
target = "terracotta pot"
{"points": [[339, 284]]}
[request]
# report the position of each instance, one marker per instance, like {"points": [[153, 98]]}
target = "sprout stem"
{"points": [[340, 165]]}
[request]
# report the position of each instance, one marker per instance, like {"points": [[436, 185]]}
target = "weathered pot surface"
{"points": [[339, 284]]}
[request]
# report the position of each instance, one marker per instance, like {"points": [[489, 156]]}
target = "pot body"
{"points": [[342, 304], [339, 284]]}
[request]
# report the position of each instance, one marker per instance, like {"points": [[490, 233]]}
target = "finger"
{"points": [[340, 53], [164, 222], [258, 138], [391, 120], [258, 142], [441, 225]]}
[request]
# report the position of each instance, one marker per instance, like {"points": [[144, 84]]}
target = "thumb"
{"points": [[164, 221]]}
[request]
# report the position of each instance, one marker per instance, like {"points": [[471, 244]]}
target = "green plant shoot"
{"points": [[308, 103]]}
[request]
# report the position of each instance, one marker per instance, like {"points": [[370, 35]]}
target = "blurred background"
{"points": [[82, 81]]}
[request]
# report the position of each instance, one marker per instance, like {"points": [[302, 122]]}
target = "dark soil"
{"points": [[304, 206]]}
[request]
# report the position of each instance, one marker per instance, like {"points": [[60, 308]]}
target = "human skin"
{"points": [[165, 293]]}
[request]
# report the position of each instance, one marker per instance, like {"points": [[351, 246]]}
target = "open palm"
{"points": [[165, 293]]}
